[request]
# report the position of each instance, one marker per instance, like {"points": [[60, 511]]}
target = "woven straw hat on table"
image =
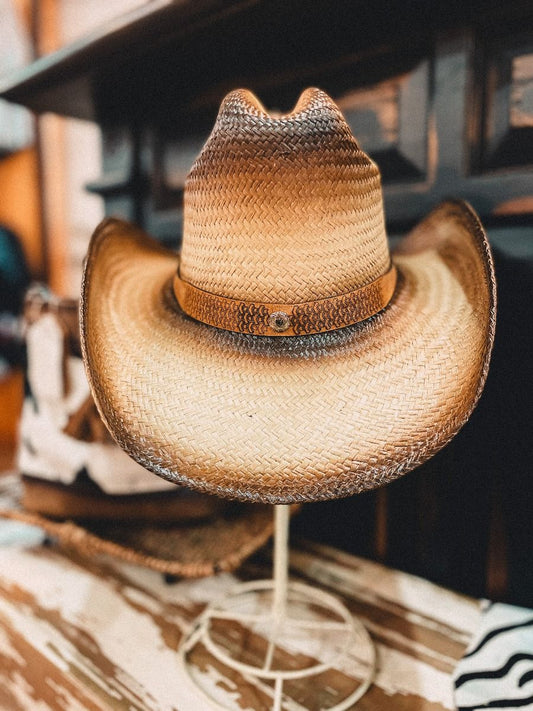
{"points": [[285, 355], [188, 549]]}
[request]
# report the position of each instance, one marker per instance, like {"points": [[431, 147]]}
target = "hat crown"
{"points": [[285, 208]]}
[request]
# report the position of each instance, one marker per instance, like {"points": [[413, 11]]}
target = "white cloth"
{"points": [[48, 453]]}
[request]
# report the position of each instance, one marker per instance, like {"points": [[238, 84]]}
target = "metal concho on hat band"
{"points": [[265, 319]]}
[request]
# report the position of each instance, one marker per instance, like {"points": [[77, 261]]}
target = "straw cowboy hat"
{"points": [[286, 354]]}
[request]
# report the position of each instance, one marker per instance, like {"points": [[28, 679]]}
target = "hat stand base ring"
{"points": [[293, 630]]}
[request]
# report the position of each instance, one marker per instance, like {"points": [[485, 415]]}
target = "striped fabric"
{"points": [[497, 670]]}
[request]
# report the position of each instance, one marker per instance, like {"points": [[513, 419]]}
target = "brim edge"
{"points": [[425, 452]]}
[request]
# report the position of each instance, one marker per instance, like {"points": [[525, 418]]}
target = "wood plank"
{"points": [[99, 634]]}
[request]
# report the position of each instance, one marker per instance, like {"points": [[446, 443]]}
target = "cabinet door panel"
{"points": [[389, 120], [507, 139]]}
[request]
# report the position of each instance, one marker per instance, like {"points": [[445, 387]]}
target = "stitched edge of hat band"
{"points": [[304, 318]]}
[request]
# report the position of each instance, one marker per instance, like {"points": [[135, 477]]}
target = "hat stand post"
{"points": [[288, 617]]}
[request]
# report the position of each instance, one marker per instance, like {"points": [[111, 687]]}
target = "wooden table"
{"points": [[79, 634]]}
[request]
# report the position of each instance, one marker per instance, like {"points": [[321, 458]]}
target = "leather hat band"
{"points": [[262, 319]]}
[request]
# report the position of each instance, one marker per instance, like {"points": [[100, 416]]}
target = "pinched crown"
{"points": [[282, 208]]}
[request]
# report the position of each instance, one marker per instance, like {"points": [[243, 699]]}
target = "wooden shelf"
{"points": [[181, 56]]}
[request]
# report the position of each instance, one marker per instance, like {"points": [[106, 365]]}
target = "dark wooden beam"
{"points": [[179, 56]]}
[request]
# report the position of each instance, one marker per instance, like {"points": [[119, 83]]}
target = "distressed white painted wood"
{"points": [[98, 634]]}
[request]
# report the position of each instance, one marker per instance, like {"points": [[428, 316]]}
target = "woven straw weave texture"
{"points": [[291, 419], [192, 550], [287, 209]]}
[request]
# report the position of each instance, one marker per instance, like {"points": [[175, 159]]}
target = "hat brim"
{"points": [[191, 549], [301, 418]]}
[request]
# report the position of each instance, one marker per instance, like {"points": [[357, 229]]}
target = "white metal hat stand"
{"points": [[292, 617]]}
